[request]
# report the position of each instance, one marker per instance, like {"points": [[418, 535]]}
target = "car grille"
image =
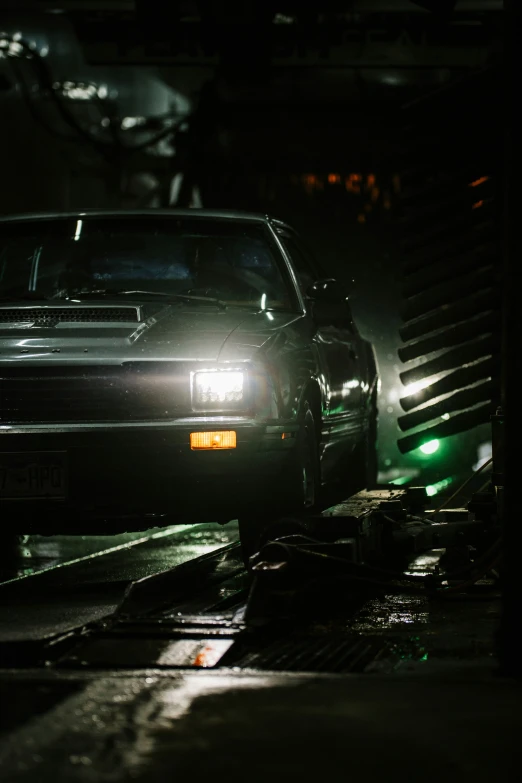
{"points": [[49, 316], [133, 392]]}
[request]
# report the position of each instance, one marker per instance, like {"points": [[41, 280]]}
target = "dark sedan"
{"points": [[161, 366]]}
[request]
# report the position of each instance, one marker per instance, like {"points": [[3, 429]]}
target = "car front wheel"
{"points": [[300, 492]]}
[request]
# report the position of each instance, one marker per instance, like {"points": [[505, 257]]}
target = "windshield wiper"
{"points": [[167, 295]]}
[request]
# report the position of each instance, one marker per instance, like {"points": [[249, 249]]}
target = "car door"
{"points": [[340, 354]]}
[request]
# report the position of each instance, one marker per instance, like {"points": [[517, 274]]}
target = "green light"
{"points": [[398, 482], [434, 489], [430, 447]]}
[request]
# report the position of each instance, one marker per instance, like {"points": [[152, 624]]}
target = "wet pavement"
{"points": [[374, 685], [39, 553], [256, 726], [428, 704], [60, 583]]}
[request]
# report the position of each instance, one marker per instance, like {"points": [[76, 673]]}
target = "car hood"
{"points": [[177, 331]]}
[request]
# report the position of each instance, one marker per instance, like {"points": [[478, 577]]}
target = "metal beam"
{"points": [[401, 42], [511, 359], [352, 6], [349, 56], [68, 6], [409, 6]]}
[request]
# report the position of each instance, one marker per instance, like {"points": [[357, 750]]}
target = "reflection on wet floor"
{"points": [[391, 612], [403, 611], [36, 553], [39, 553], [191, 652], [68, 588], [426, 563]]}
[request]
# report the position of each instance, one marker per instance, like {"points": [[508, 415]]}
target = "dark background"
{"points": [[326, 118]]}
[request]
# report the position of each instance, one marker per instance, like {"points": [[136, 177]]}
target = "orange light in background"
{"points": [[478, 182], [375, 194], [334, 179], [312, 182], [352, 183], [361, 218], [477, 204], [309, 182], [370, 180], [213, 440], [396, 183], [387, 203]]}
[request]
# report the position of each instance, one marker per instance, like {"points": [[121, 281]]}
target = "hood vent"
{"points": [[50, 316]]}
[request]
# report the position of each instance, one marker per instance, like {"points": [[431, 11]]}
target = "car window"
{"points": [[235, 261], [301, 260]]}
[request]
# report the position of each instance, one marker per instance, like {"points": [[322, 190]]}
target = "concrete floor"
{"points": [[449, 723]]}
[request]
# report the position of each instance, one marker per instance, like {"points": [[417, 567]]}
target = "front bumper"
{"points": [[127, 477]]}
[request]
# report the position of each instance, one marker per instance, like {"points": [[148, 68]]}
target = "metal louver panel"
{"points": [[450, 229]]}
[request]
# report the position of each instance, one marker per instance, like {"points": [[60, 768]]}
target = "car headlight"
{"points": [[218, 389]]}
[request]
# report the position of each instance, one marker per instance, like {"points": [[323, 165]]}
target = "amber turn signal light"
{"points": [[213, 440]]}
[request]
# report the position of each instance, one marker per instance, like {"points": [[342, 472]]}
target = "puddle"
{"points": [[392, 612]]}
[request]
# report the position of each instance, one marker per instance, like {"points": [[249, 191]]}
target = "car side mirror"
{"points": [[329, 302], [327, 290]]}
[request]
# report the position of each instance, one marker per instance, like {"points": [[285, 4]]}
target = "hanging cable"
{"points": [[47, 85], [26, 52], [370, 573], [409, 589], [36, 116]]}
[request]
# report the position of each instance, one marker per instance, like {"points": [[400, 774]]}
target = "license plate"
{"points": [[33, 475]]}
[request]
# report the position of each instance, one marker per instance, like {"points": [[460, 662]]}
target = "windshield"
{"points": [[235, 262]]}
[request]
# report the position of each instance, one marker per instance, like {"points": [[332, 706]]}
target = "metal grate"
{"points": [[49, 316], [81, 395], [304, 653], [451, 292]]}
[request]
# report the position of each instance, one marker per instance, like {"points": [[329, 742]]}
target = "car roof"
{"points": [[218, 214]]}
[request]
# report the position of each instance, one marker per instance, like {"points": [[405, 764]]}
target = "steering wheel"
{"points": [[241, 282]]}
